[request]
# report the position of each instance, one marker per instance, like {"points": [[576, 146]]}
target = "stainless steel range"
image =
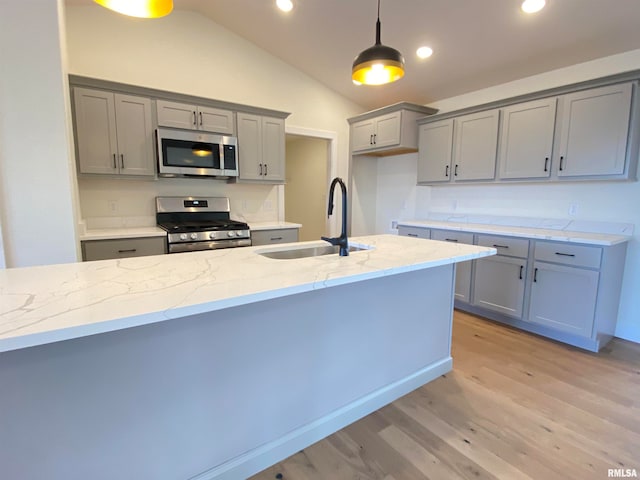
{"points": [[200, 223]]}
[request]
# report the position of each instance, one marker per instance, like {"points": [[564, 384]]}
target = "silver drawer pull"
{"points": [[451, 239], [276, 238], [500, 246], [130, 250], [566, 254]]}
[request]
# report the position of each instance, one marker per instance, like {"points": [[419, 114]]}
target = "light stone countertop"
{"points": [[51, 303], [126, 232], [601, 239], [139, 232]]}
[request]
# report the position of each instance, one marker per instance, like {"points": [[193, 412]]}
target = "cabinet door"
{"points": [[593, 135], [434, 151], [527, 139], [362, 135], [250, 146], [135, 135], [475, 146], [499, 284], [215, 120], [564, 298], [463, 269], [176, 115], [273, 155], [387, 131], [96, 131]]}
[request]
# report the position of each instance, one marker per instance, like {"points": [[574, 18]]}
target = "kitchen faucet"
{"points": [[342, 239]]}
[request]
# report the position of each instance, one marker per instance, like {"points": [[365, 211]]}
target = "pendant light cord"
{"points": [[378, 26]]}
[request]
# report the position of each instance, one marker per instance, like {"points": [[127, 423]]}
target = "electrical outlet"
{"points": [[267, 206], [112, 206], [573, 209]]}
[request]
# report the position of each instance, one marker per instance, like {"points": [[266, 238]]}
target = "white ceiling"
{"points": [[477, 43]]}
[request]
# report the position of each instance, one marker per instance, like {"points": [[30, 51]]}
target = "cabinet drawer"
{"points": [[123, 248], [568, 254], [452, 236], [416, 232], [270, 237], [512, 247]]}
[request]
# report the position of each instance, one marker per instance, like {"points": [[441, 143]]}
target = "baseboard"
{"points": [[266, 455]]}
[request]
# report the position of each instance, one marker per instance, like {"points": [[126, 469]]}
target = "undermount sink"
{"points": [[294, 253]]}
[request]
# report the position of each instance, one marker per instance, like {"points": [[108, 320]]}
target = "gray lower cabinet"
{"points": [[275, 236], [566, 291], [499, 281], [123, 248], [463, 269], [416, 232]]}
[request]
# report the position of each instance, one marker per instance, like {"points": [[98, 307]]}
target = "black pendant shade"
{"points": [[378, 64]]}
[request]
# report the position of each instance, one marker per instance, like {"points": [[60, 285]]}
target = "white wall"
{"points": [[37, 172], [398, 196], [187, 53]]}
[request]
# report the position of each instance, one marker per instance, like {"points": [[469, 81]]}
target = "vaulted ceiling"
{"points": [[476, 43]]}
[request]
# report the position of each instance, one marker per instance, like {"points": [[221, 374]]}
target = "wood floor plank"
{"points": [[516, 406]]}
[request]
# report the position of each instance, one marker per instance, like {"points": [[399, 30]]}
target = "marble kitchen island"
{"points": [[213, 364]]}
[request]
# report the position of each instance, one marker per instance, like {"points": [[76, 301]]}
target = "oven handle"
{"points": [[214, 245]]}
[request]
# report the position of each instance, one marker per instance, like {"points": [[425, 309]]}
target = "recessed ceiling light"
{"points": [[424, 52], [284, 5], [532, 6]]}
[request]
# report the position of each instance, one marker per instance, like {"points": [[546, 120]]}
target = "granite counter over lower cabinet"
{"points": [[227, 360], [562, 283]]}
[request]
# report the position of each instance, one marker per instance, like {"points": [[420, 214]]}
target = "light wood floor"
{"points": [[515, 406]]}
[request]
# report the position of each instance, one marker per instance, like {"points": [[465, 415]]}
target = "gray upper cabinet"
{"points": [[194, 117], [527, 139], [375, 133], [435, 151], [594, 132], [114, 133], [261, 148], [475, 146], [387, 131]]}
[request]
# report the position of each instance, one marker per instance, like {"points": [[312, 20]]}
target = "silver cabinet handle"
{"points": [[115, 165], [121, 160]]}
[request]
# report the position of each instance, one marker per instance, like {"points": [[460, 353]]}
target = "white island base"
{"points": [[224, 394]]}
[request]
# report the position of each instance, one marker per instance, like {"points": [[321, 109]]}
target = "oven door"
{"points": [[185, 153]]}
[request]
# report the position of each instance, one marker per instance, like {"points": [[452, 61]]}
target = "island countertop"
{"points": [[46, 304]]}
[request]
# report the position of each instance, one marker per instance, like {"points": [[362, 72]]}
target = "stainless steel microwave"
{"points": [[185, 153]]}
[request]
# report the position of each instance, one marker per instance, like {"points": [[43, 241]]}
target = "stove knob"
{"points": [[194, 236], [212, 235], [183, 236], [231, 234], [239, 233]]}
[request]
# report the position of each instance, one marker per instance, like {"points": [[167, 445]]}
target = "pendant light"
{"points": [[379, 64], [139, 8]]}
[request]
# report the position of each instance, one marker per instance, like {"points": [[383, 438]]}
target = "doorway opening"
{"points": [[310, 166]]}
